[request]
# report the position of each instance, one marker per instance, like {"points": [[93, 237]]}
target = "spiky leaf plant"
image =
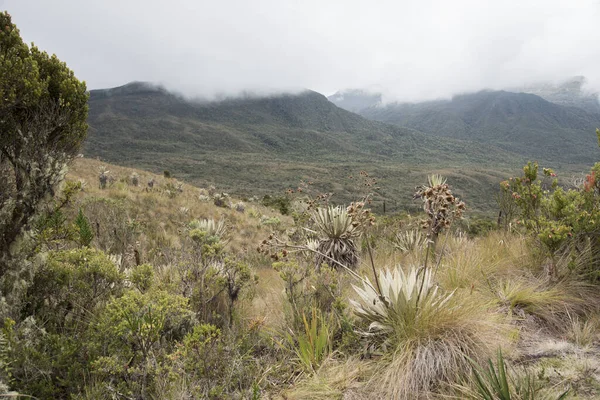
{"points": [[436, 180], [397, 311], [336, 231], [84, 229], [410, 240], [211, 227], [425, 338], [496, 382], [314, 344]]}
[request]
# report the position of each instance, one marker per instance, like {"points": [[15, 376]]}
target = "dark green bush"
{"points": [[283, 204], [70, 286]]}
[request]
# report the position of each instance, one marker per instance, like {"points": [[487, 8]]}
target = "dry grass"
{"points": [[269, 300], [497, 280], [438, 352], [334, 380], [583, 331], [162, 216]]}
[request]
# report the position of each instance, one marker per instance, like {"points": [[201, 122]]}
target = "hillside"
{"points": [[569, 93], [256, 145], [519, 123], [168, 298]]}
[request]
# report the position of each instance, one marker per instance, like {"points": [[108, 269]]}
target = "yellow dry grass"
{"points": [[164, 217], [497, 280]]}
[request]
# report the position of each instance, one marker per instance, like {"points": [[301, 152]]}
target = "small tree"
{"points": [[85, 230], [43, 111]]}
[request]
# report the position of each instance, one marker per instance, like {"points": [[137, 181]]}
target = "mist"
{"points": [[408, 50]]}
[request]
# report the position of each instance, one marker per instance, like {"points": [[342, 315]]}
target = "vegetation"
{"points": [[495, 382], [518, 123], [263, 146], [170, 291], [181, 305], [43, 111]]}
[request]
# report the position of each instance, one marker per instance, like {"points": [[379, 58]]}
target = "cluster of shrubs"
{"points": [[93, 323]]}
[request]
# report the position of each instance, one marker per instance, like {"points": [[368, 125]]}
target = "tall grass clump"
{"points": [[427, 335]]}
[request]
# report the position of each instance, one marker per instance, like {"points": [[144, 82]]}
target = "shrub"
{"points": [[132, 337], [70, 285], [115, 231], [426, 335], [216, 365], [142, 277], [279, 203], [562, 221], [43, 124], [270, 221]]}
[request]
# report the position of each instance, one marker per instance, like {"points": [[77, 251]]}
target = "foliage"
{"points": [[43, 111], [399, 305], [114, 228], [85, 231], [138, 321], [186, 317], [142, 277], [336, 233], [282, 204], [337, 229], [494, 382], [409, 240], [49, 346], [133, 335], [211, 228], [70, 285], [561, 220], [314, 342]]}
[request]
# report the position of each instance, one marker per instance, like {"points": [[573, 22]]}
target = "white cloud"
{"points": [[413, 49]]}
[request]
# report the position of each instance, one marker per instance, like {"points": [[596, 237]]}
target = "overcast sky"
{"points": [[412, 50]]}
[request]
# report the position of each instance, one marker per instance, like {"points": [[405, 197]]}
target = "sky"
{"points": [[410, 50]]}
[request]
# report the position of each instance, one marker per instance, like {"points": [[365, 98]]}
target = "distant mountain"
{"points": [[568, 93], [304, 124], [519, 123], [355, 100], [258, 145]]}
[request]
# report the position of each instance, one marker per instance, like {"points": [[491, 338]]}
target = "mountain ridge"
{"points": [[521, 123], [261, 145]]}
